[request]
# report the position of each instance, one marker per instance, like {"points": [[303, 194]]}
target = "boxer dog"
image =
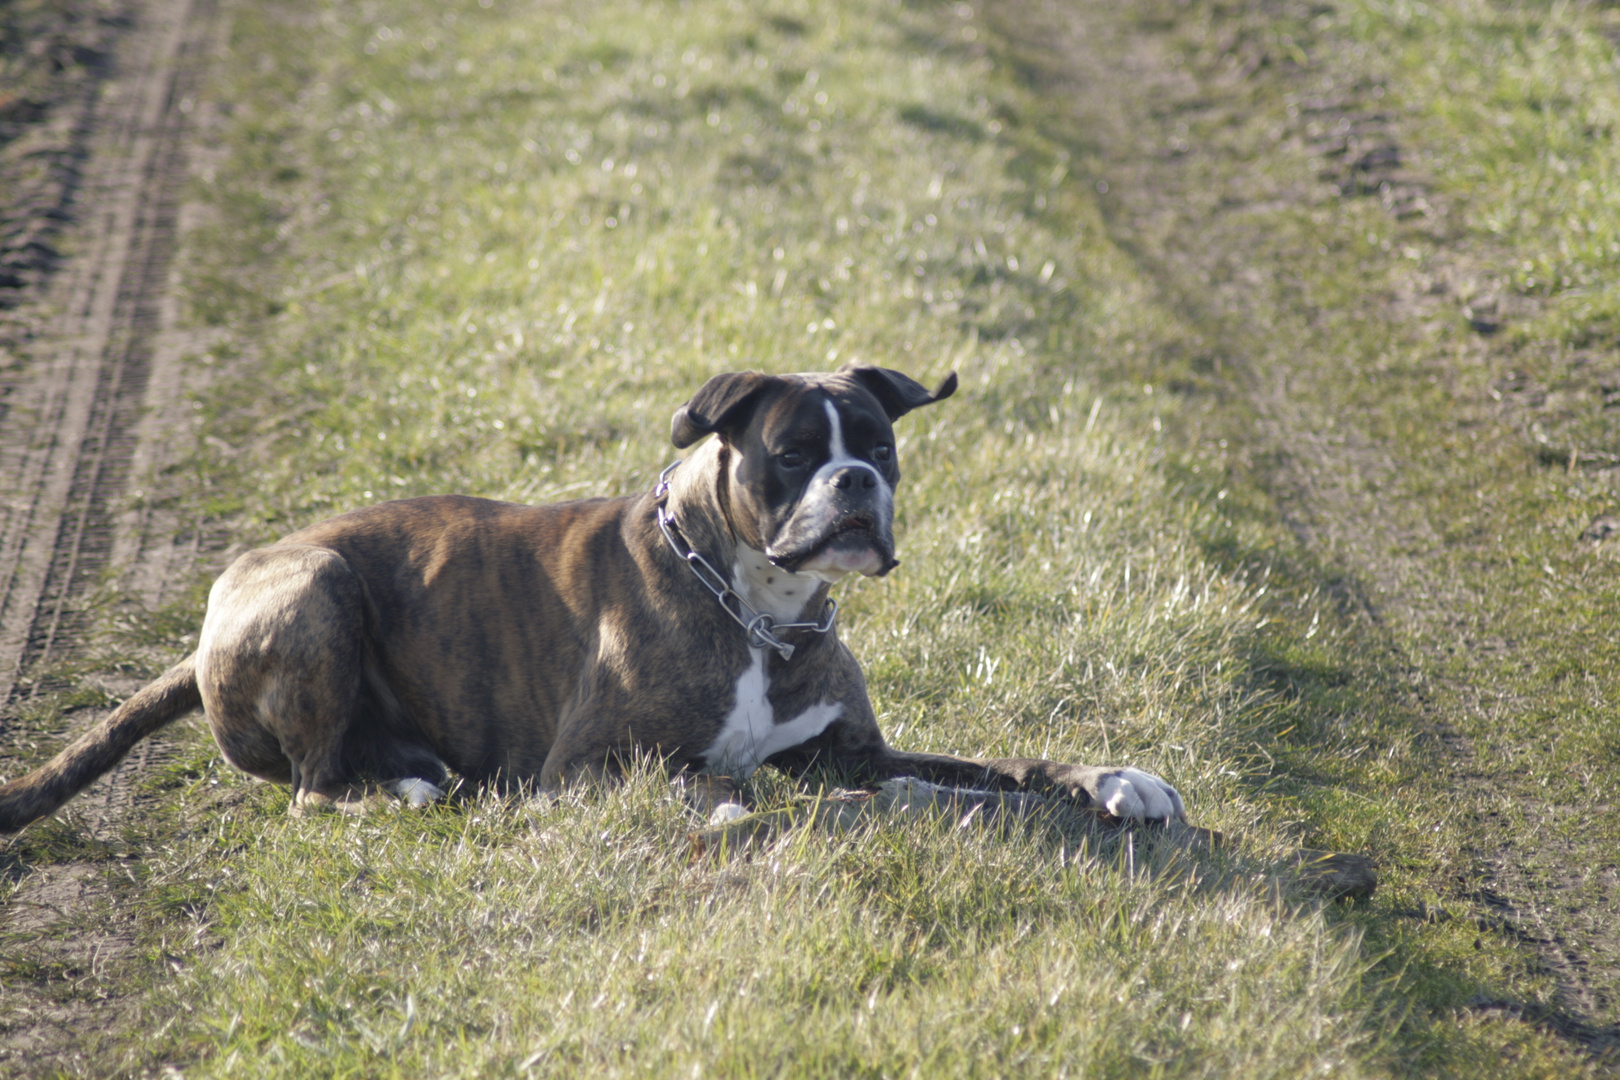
{"points": [[535, 646]]}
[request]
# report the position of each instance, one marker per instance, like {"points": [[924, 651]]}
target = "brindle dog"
{"points": [[535, 645]]}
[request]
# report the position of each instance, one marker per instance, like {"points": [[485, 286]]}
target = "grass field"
{"points": [[488, 247]]}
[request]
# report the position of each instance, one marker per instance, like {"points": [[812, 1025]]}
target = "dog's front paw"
{"points": [[1134, 795]]}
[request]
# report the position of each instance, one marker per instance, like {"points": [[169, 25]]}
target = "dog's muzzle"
{"points": [[844, 525]]}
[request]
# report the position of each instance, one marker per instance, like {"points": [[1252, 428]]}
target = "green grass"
{"points": [[490, 250], [1423, 394], [581, 936]]}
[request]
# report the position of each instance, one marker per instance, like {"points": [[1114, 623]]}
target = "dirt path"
{"points": [[1196, 217], [99, 379], [92, 393]]}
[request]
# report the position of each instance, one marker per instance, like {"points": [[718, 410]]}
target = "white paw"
{"points": [[1139, 796], [416, 791], [726, 813]]}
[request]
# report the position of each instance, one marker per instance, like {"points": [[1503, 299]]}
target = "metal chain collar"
{"points": [[761, 626]]}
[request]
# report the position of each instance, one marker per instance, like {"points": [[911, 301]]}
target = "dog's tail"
{"points": [[41, 792]]}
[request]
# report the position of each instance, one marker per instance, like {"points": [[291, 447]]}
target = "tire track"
{"points": [[93, 376], [1194, 219], [71, 439]]}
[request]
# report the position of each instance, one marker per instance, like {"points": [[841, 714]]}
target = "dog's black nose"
{"points": [[855, 477]]}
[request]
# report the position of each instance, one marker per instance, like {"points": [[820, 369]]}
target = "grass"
{"points": [[545, 941], [489, 249], [1441, 438]]}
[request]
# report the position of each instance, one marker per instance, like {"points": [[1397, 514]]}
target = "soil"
{"points": [[95, 147]]}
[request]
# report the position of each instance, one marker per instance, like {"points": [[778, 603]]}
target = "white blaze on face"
{"points": [[840, 458], [818, 498], [751, 734]]}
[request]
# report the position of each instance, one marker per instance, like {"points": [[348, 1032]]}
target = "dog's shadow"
{"points": [[730, 829]]}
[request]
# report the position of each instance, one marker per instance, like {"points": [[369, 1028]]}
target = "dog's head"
{"points": [[811, 461]]}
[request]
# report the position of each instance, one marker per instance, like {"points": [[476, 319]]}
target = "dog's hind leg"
{"points": [[280, 669]]}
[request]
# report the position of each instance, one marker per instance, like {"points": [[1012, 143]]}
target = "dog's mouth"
{"points": [[854, 545], [859, 524]]}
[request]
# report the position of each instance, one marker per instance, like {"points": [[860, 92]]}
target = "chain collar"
{"points": [[761, 626]]}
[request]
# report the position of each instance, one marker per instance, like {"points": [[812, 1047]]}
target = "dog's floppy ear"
{"points": [[897, 393], [724, 402]]}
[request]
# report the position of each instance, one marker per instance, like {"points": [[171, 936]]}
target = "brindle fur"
{"points": [[519, 645]]}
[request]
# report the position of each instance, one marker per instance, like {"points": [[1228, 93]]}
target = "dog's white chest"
{"points": [[751, 733]]}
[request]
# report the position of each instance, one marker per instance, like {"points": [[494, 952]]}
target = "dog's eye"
{"points": [[792, 459], [882, 452]]}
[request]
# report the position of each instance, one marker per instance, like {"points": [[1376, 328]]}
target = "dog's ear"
{"points": [[897, 393], [722, 404]]}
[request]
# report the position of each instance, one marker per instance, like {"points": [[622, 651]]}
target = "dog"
{"points": [[540, 646]]}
